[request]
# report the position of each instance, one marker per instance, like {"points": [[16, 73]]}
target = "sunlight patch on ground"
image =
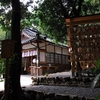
{"points": [[26, 80]]}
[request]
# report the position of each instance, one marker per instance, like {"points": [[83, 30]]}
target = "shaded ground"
{"points": [[80, 91]]}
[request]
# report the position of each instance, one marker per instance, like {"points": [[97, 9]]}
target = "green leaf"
{"points": [[95, 81], [98, 97]]}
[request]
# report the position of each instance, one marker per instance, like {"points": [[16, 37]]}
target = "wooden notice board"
{"points": [[7, 48]]}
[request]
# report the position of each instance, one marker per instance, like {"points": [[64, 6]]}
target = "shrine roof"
{"points": [[30, 35]]}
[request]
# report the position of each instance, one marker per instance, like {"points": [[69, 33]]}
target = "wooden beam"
{"points": [[83, 20]]}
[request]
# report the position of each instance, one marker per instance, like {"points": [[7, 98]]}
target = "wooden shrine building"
{"points": [[41, 56], [83, 41]]}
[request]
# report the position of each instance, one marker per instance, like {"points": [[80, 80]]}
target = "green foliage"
{"points": [[49, 15], [97, 71], [6, 13], [98, 97], [2, 67], [5, 17], [2, 34], [75, 8], [97, 78], [51, 20], [90, 7], [97, 63]]}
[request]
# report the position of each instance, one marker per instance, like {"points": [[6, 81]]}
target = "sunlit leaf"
{"points": [[95, 81]]}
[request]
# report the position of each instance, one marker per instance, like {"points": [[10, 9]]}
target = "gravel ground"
{"points": [[80, 91], [67, 90]]}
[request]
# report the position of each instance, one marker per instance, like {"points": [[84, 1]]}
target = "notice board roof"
{"points": [[83, 20]]}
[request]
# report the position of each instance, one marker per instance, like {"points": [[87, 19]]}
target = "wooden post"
{"points": [[7, 52], [38, 57], [7, 80], [71, 46]]}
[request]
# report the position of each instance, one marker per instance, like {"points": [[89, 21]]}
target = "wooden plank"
{"points": [[83, 20]]}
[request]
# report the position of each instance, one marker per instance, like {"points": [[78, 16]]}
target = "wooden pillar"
{"points": [[71, 46], [54, 54], [38, 55], [61, 54]]}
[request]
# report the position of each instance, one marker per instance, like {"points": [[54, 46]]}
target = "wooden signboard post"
{"points": [[7, 49]]}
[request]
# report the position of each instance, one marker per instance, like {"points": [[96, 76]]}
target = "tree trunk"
{"points": [[15, 63]]}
